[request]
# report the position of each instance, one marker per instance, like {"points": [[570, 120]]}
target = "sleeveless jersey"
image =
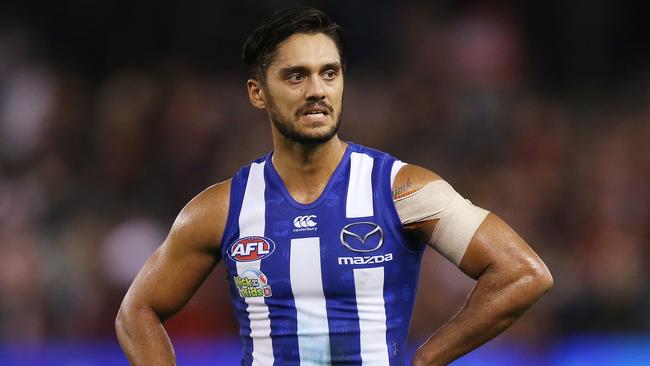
{"points": [[330, 282]]}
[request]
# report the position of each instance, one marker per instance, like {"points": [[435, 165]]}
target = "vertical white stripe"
{"points": [[369, 286], [251, 223], [359, 200], [397, 165], [252, 215], [307, 289]]}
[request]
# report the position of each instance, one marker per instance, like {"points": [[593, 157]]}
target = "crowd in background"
{"points": [[94, 166]]}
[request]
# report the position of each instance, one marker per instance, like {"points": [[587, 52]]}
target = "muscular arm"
{"points": [[170, 277], [510, 278]]}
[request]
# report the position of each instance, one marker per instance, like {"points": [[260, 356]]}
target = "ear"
{"points": [[256, 93]]}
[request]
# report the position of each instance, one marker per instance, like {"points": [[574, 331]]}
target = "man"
{"points": [[322, 239]]}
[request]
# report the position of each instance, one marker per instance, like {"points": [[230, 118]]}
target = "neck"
{"points": [[306, 168]]}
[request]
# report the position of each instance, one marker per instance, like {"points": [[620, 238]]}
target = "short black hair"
{"points": [[261, 44]]}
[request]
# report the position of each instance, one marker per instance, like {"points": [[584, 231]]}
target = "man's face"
{"points": [[303, 88]]}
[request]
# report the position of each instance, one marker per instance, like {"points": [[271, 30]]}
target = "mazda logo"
{"points": [[362, 236]]}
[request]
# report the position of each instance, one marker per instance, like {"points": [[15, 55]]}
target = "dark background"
{"points": [[113, 114]]}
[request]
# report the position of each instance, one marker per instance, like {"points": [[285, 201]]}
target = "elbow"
{"points": [[543, 277], [546, 280], [537, 278], [121, 320], [127, 316], [133, 316]]}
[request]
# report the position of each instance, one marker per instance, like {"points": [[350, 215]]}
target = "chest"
{"points": [[313, 251]]}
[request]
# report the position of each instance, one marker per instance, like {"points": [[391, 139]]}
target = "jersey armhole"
{"points": [[236, 195], [393, 217]]}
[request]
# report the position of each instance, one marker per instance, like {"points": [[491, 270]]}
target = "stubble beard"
{"points": [[290, 132]]}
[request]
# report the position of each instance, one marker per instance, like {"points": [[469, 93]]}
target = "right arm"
{"points": [[171, 276]]}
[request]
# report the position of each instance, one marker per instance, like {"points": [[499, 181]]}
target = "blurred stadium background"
{"points": [[113, 114]]}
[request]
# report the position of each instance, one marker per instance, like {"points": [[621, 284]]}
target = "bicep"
{"points": [[472, 238], [171, 276], [434, 213], [190, 252], [495, 244]]}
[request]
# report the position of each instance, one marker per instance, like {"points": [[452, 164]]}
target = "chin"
{"points": [[313, 133], [312, 139]]}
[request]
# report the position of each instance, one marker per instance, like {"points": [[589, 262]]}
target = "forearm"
{"points": [[493, 305], [143, 337]]}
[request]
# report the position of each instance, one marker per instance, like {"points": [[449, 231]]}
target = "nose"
{"points": [[315, 89]]}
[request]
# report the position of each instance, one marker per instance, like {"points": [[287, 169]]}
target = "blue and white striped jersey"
{"points": [[330, 282]]}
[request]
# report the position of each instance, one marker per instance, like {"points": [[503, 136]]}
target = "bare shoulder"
{"points": [[202, 221], [411, 178]]}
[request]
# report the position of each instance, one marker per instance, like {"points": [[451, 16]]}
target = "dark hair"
{"points": [[261, 44]]}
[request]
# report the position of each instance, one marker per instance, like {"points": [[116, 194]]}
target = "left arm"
{"points": [[510, 278]]}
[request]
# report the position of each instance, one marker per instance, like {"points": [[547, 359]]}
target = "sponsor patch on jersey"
{"points": [[253, 283], [251, 248], [305, 223], [362, 237], [372, 259]]}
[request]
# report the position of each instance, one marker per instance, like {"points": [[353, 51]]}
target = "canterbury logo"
{"points": [[304, 221]]}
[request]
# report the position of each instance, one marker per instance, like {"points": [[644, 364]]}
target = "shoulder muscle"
{"points": [[201, 222], [411, 178]]}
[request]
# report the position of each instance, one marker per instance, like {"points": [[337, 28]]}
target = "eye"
{"points": [[296, 78], [329, 74]]}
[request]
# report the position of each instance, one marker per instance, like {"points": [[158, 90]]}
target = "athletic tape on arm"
{"points": [[458, 219]]}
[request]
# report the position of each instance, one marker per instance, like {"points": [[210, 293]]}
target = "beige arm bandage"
{"points": [[458, 219]]}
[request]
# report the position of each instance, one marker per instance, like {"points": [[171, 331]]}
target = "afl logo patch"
{"points": [[251, 248]]}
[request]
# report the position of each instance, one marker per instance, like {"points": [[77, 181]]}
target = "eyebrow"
{"points": [[285, 71]]}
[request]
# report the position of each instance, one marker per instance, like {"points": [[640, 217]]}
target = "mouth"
{"points": [[316, 113]]}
